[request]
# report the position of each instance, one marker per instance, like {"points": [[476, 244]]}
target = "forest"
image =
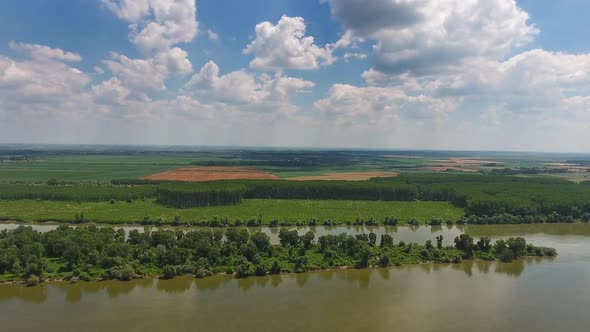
{"points": [[97, 253]]}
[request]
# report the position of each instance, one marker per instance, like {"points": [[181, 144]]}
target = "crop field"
{"points": [[85, 169], [345, 176], [212, 173], [269, 209]]}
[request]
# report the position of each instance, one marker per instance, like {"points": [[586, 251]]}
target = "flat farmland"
{"points": [[212, 173], [346, 176], [282, 210]]}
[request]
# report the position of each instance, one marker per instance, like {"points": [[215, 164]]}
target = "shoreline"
{"points": [[233, 275], [198, 226]]}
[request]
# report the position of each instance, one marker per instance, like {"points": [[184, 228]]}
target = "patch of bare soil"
{"points": [[212, 173]]}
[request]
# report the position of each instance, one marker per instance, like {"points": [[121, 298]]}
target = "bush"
{"points": [[260, 270], [202, 273], [168, 272], [275, 268], [123, 272], [32, 280], [384, 260]]}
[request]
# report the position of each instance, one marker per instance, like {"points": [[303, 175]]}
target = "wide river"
{"points": [[527, 295]]}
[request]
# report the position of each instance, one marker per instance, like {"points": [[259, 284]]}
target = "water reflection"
{"points": [[176, 285], [74, 293]]}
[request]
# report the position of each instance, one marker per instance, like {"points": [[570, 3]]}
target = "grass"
{"points": [[87, 168], [282, 210]]}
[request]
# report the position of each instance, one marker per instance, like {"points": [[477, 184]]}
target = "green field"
{"points": [[282, 210], [88, 168]]}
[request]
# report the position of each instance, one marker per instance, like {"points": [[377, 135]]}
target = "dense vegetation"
{"points": [[488, 198], [75, 192], [91, 252], [187, 195]]}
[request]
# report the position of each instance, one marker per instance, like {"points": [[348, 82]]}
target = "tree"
{"points": [[386, 241], [261, 240], [484, 244], [260, 270], [464, 242], [372, 238], [307, 239], [249, 250], [439, 241], [384, 260], [243, 270], [288, 238], [275, 268], [168, 272]]}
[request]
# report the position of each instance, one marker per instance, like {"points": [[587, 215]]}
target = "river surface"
{"points": [[548, 294]]}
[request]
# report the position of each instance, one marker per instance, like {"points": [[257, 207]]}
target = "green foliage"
{"points": [[78, 192], [186, 195], [89, 252]]}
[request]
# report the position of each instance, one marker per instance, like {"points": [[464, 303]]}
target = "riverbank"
{"points": [[95, 253]]}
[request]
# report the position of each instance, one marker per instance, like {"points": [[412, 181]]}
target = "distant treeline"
{"points": [[527, 171], [258, 163], [186, 195], [79, 192]]}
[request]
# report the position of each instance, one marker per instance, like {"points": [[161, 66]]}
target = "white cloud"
{"points": [[175, 60], [111, 92], [377, 103], [155, 27], [246, 89], [285, 46], [212, 35], [128, 10], [140, 74], [425, 37], [39, 80], [157, 24], [353, 56], [44, 53]]}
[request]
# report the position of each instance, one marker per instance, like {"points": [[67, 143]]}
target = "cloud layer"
{"points": [[427, 74]]}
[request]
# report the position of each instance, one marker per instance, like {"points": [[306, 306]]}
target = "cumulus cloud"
{"points": [[425, 37], [285, 46], [140, 74], [38, 80], [155, 27], [157, 24], [111, 92], [346, 101], [245, 88], [44, 53]]}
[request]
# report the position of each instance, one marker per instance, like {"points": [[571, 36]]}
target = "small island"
{"points": [[91, 253]]}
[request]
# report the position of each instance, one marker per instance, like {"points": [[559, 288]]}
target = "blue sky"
{"points": [[481, 74]]}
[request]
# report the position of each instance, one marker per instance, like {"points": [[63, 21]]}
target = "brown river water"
{"points": [[549, 294]]}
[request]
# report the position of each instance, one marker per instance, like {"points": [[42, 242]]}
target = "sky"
{"points": [[380, 74]]}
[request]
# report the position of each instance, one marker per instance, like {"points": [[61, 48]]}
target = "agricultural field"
{"points": [[104, 163], [269, 209], [212, 173], [345, 176], [133, 184]]}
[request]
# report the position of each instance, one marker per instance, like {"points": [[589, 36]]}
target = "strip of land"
{"points": [[212, 173], [346, 176]]}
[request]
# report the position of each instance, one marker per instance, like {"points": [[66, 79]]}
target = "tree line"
{"points": [[94, 253]]}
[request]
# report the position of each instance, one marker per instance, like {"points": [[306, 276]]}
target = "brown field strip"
{"points": [[212, 173]]}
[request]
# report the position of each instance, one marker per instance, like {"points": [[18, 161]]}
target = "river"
{"points": [[546, 294]]}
